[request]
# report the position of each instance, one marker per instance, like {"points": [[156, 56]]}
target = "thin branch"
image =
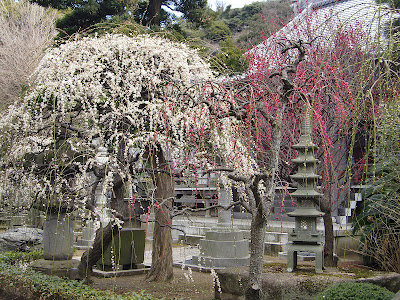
{"points": [[162, 225], [219, 169], [238, 178], [189, 209]]}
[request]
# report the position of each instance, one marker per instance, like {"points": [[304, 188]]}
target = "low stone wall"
{"points": [[346, 244], [287, 286]]}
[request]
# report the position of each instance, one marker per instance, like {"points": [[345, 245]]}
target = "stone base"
{"points": [[293, 249], [192, 240], [223, 247], [85, 243], [61, 268], [211, 262], [301, 256], [119, 272], [274, 248]]}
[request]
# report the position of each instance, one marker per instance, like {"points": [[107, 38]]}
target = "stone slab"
{"points": [[212, 262], [142, 269], [61, 268]]}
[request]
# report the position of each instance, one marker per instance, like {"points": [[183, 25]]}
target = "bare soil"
{"points": [[185, 285], [199, 285]]}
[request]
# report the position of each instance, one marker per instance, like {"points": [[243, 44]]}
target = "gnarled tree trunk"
{"points": [[257, 233], [334, 189], [161, 260], [329, 259], [91, 256], [103, 236]]}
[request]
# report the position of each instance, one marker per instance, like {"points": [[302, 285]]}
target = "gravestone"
{"points": [[20, 220], [88, 234], [58, 237], [223, 245], [126, 251]]}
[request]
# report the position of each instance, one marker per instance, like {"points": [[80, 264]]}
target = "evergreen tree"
{"points": [[193, 10]]}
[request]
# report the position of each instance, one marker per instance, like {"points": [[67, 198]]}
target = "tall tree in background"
{"points": [[192, 10], [79, 14], [25, 31], [343, 84], [89, 13], [83, 14]]}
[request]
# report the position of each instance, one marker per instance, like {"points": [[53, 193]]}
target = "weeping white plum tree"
{"points": [[121, 91]]}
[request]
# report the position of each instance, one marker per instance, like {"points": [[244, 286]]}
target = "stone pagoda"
{"points": [[305, 236]]}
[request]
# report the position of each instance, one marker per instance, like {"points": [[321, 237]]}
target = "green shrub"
{"points": [[218, 31], [36, 285], [379, 221], [355, 291], [230, 60], [15, 257]]}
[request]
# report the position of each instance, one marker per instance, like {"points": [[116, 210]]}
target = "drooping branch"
{"points": [[189, 209]]}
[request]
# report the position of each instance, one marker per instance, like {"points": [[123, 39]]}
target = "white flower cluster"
{"points": [[115, 88], [125, 93]]}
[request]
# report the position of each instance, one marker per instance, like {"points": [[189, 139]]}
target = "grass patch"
{"points": [[18, 279]]}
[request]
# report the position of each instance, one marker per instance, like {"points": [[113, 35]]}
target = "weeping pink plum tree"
{"points": [[343, 78], [342, 86]]}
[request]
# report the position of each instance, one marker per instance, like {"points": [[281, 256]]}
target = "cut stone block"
{"points": [[223, 247], [61, 268], [127, 250], [88, 235], [273, 248], [276, 237], [58, 237]]}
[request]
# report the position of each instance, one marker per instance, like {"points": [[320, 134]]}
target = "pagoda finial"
{"points": [[306, 124]]}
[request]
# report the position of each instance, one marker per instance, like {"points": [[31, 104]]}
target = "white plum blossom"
{"points": [[125, 94]]}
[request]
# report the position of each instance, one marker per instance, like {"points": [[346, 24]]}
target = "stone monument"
{"points": [[88, 235], [305, 236], [224, 245], [58, 238]]}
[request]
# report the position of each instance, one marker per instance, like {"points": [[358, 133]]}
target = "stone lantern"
{"points": [[305, 236]]}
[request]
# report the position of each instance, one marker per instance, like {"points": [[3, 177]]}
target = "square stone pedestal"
{"points": [[223, 247], [293, 249], [61, 268]]}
